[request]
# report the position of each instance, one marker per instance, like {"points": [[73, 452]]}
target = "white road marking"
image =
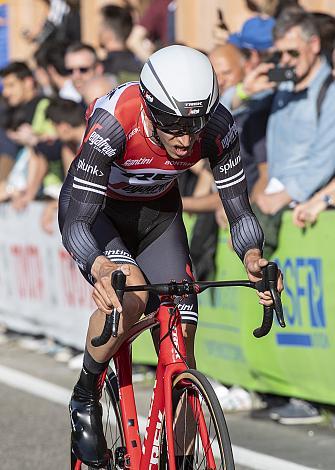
{"points": [[61, 395]]}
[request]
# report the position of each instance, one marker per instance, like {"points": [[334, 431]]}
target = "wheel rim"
{"points": [[191, 401]]}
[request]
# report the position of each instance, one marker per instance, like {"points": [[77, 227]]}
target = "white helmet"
{"points": [[180, 89]]}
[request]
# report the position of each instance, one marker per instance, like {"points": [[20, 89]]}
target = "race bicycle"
{"points": [[186, 428]]}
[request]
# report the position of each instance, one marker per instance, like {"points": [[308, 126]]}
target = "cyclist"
{"points": [[120, 207]]}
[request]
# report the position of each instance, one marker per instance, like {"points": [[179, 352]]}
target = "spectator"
{"points": [[228, 63], [300, 145], [326, 28], [81, 62], [154, 30], [26, 123], [256, 44], [8, 148], [308, 212], [69, 121], [115, 27], [62, 23], [250, 114], [271, 7], [21, 94], [98, 86], [50, 60]]}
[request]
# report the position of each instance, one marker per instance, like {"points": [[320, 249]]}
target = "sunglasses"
{"points": [[178, 126], [294, 53], [79, 69]]}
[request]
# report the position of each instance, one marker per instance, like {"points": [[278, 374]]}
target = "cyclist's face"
{"points": [[177, 146]]}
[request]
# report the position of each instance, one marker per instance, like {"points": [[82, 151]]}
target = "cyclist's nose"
{"points": [[185, 140]]}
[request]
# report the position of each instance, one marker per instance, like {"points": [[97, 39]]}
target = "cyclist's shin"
{"points": [[87, 438]]}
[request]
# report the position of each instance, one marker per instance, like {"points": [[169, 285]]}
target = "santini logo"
{"points": [[94, 170]]}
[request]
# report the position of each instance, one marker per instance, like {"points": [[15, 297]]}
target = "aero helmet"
{"points": [[180, 90]]}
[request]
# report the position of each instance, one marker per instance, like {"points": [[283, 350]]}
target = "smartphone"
{"points": [[221, 22], [282, 74]]}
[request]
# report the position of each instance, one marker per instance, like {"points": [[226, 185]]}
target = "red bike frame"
{"points": [[170, 364]]}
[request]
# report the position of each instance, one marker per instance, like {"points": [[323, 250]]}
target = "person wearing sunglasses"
{"points": [[300, 131], [81, 63], [120, 207]]}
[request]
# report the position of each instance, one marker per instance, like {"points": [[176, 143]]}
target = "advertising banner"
{"points": [[42, 291], [41, 288], [295, 361]]}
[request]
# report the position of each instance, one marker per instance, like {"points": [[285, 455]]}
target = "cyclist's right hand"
{"points": [[103, 293]]}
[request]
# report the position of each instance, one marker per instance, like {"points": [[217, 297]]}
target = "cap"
{"points": [[256, 33]]}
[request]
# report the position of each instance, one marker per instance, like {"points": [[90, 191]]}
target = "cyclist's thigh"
{"points": [[109, 241], [168, 258]]}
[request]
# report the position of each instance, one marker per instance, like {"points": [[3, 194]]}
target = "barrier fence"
{"points": [[42, 291]]}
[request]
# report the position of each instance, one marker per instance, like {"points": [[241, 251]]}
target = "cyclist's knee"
{"points": [[135, 302]]}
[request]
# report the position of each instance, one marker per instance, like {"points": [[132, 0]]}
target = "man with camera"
{"points": [[301, 126]]}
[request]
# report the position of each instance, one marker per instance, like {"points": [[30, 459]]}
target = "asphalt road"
{"points": [[35, 429]]}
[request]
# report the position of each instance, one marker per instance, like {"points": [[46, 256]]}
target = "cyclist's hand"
{"points": [[254, 263], [103, 293]]}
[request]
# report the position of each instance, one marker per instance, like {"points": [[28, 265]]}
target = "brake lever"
{"points": [[112, 320], [269, 282]]}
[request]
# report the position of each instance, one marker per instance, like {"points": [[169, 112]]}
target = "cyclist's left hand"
{"points": [[254, 263]]}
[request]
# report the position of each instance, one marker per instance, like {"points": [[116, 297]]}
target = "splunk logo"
{"points": [[303, 304]]}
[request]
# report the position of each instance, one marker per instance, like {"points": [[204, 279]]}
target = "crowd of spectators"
{"points": [[275, 75]]}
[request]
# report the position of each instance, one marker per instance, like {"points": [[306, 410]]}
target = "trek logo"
{"points": [[99, 143], [198, 104], [230, 137], [303, 304], [155, 453], [175, 342], [133, 132], [94, 170], [232, 162]]}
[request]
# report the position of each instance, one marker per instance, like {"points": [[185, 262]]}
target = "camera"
{"points": [[282, 74]]}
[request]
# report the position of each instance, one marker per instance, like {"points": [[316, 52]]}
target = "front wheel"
{"points": [[200, 433]]}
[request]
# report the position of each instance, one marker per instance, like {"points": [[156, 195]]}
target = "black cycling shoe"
{"points": [[87, 438]]}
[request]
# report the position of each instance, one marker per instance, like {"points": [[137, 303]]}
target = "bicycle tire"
{"points": [[111, 404], [195, 383]]}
